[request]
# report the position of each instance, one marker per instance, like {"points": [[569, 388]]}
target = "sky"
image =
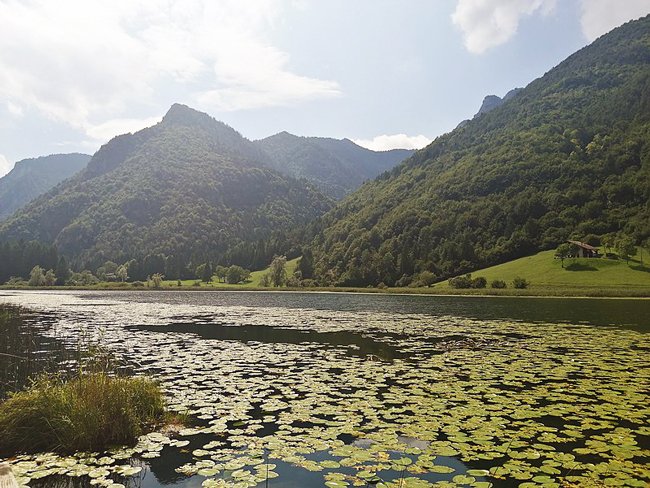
{"points": [[384, 73]]}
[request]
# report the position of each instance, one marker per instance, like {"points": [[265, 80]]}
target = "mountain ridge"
{"points": [[335, 166], [569, 154], [189, 187], [32, 177]]}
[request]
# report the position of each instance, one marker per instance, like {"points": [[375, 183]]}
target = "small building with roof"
{"points": [[585, 250]]}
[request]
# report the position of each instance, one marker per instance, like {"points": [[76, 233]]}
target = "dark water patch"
{"points": [[354, 344], [633, 313]]}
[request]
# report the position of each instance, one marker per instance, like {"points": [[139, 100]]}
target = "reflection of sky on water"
{"points": [[258, 349]]}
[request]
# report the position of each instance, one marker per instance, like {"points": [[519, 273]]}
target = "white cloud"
{"points": [[5, 166], [490, 23], [14, 109], [394, 141], [116, 127], [601, 16], [84, 62]]}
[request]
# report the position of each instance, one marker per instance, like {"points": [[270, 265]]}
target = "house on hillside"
{"points": [[585, 250]]}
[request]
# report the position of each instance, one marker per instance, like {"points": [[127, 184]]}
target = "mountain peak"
{"points": [[184, 115]]}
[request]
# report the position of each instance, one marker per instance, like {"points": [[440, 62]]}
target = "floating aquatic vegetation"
{"points": [[462, 403]]}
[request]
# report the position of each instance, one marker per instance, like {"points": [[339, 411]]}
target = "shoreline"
{"points": [[555, 292]]}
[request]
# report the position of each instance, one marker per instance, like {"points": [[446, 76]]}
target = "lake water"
{"points": [[333, 389]]}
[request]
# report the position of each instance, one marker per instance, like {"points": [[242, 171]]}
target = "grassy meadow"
{"points": [[580, 276]]}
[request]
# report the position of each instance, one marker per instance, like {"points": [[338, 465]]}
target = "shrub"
{"points": [[137, 284], [461, 281], [427, 277], [520, 283], [382, 285], [405, 280], [498, 284], [479, 282], [91, 412]]}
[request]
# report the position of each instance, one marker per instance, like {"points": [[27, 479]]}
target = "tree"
{"points": [[122, 273], [563, 251], [625, 248], [49, 278], [156, 280], [645, 246], [608, 242], [220, 272], [427, 278], [36, 276], [62, 271], [278, 273], [106, 272], [236, 274], [206, 276], [306, 264], [84, 278]]}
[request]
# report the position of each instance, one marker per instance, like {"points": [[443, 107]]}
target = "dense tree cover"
{"points": [[186, 191], [18, 259], [569, 155], [32, 177], [335, 166]]}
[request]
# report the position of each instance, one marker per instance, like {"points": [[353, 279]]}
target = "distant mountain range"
{"points": [[189, 187], [31, 178], [335, 166], [569, 155]]}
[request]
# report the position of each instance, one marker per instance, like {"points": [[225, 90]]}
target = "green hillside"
{"points": [[568, 155], [578, 276], [186, 191], [31, 178]]}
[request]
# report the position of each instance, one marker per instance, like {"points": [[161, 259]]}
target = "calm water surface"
{"points": [[415, 390]]}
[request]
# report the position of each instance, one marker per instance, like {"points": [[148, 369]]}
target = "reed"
{"points": [[90, 412]]}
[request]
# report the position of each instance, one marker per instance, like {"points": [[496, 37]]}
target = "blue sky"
{"points": [[386, 73]]}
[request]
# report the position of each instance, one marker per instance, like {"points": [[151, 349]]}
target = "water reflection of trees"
{"points": [[24, 351]]}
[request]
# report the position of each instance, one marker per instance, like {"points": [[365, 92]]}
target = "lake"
{"points": [[337, 389]]}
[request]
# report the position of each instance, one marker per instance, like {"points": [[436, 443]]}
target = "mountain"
{"points": [[188, 187], [32, 177], [335, 166], [569, 155], [491, 102]]}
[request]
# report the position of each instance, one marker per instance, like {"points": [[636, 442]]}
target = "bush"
{"points": [[520, 283], [479, 282], [382, 285], [461, 281], [89, 413], [498, 284], [405, 280], [427, 277], [137, 284]]}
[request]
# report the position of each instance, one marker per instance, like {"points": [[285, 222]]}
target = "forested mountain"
{"points": [[189, 188], [335, 166], [33, 177], [569, 155]]}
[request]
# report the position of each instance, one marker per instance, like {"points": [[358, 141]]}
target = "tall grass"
{"points": [[89, 412]]}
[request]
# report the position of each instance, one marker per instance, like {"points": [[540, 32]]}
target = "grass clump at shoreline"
{"points": [[91, 412]]}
